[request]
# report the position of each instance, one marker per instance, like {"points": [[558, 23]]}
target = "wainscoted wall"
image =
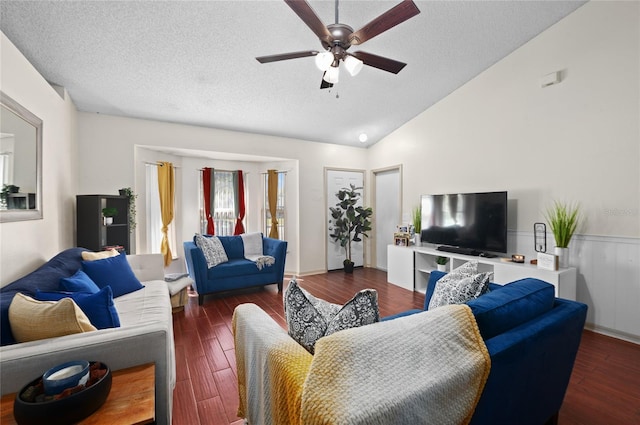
{"points": [[608, 279]]}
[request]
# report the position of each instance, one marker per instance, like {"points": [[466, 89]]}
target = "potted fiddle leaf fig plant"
{"points": [[563, 219], [350, 221], [108, 213]]}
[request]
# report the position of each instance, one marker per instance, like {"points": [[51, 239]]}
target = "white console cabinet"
{"points": [[410, 267]]}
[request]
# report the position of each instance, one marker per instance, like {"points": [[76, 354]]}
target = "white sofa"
{"points": [[145, 336]]}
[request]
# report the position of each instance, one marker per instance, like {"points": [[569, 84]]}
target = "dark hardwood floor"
{"points": [[604, 387]]}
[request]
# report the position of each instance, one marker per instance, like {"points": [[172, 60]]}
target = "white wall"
{"points": [[106, 145], [577, 141], [26, 245]]}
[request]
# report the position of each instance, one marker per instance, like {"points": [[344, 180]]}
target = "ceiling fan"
{"points": [[337, 38]]}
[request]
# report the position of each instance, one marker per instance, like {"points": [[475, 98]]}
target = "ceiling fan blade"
{"points": [[392, 17], [309, 17], [285, 56], [324, 84], [380, 62]]}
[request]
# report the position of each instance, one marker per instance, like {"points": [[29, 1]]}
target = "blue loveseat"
{"points": [[238, 272], [532, 338]]}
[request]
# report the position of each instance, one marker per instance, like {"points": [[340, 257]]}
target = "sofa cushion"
{"points": [[461, 285], [46, 277], [79, 282], [31, 320], [512, 305], [98, 307], [115, 272], [213, 251], [233, 246], [235, 268], [310, 318]]}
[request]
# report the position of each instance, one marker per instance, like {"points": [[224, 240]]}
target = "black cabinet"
{"points": [[92, 232]]}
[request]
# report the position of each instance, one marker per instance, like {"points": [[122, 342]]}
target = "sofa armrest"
{"points": [[147, 267], [196, 265], [272, 368], [534, 361], [119, 348], [278, 250]]}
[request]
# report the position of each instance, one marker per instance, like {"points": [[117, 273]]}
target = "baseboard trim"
{"points": [[635, 339]]}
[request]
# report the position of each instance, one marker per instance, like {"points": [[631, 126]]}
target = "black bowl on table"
{"points": [[67, 410]]}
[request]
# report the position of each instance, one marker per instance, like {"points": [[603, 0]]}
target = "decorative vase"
{"points": [[417, 239], [442, 267], [563, 256], [348, 267], [108, 221]]}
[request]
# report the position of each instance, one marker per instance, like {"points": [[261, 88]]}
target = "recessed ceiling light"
{"points": [[363, 137]]}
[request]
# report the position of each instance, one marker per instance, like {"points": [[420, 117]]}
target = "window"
{"points": [[279, 208], [224, 218], [154, 216]]}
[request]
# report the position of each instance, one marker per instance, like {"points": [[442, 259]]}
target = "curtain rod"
{"points": [[225, 171], [279, 172], [157, 164]]}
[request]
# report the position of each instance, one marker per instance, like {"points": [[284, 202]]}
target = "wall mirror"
{"points": [[20, 162]]}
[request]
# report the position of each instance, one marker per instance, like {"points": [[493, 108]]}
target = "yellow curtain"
{"points": [[272, 191], [166, 188]]}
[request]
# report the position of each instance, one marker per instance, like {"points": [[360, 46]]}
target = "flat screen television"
{"points": [[473, 222]]}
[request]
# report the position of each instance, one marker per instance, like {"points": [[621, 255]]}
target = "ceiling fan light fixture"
{"points": [[353, 65], [331, 75], [324, 60]]}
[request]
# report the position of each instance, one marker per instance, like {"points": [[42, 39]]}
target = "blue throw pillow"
{"points": [[115, 272], [79, 282], [98, 307]]}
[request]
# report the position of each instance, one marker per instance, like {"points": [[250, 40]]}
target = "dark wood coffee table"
{"points": [[131, 400]]}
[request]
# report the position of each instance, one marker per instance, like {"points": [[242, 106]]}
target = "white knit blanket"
{"points": [[427, 368], [253, 250]]}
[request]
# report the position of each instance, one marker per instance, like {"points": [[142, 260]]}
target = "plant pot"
{"points": [[348, 267], [563, 256], [442, 267], [108, 221]]}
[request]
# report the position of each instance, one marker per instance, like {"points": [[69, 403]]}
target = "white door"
{"points": [[336, 180], [387, 211]]}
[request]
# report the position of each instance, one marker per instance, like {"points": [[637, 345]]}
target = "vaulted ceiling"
{"points": [[193, 62]]}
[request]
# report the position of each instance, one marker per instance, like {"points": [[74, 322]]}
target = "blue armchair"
{"points": [[532, 338], [238, 272]]}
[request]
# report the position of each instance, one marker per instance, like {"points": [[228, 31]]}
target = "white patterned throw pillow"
{"points": [[310, 318], [212, 249], [460, 285]]}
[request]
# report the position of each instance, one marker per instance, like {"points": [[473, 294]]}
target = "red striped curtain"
{"points": [[241, 207], [207, 189]]}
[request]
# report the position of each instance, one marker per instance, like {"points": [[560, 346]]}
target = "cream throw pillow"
{"points": [[92, 256], [31, 320]]}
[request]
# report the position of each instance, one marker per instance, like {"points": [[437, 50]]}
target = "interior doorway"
{"points": [[387, 210]]}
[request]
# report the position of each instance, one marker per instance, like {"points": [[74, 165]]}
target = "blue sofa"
{"points": [[532, 338], [238, 272]]}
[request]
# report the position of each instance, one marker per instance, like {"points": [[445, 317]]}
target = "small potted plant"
{"points": [[108, 213], [416, 216], [563, 220], [6, 190], [349, 222], [442, 263]]}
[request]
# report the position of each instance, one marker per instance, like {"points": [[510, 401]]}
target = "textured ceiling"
{"points": [[193, 62]]}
